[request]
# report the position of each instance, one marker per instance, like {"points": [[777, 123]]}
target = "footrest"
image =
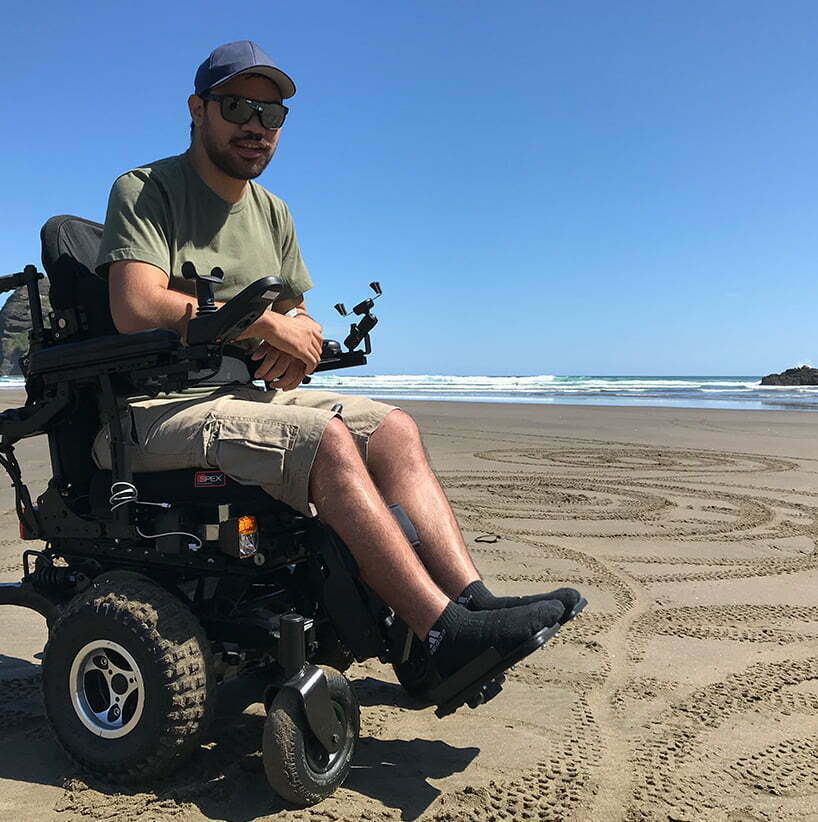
{"points": [[482, 678], [576, 611]]}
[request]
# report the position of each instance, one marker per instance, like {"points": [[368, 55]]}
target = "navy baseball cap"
{"points": [[236, 58]]}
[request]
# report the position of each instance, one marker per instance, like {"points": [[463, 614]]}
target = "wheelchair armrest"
{"points": [[332, 357], [236, 314], [102, 350]]}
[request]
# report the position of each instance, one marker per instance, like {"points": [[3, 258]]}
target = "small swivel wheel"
{"points": [[128, 679], [299, 768]]}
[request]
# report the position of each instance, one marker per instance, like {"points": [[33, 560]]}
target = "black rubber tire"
{"points": [[173, 655], [417, 675], [291, 751]]}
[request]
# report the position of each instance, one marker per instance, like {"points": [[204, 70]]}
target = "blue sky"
{"points": [[540, 187]]}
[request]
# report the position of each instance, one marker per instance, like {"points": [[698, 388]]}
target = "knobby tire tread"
{"points": [[182, 652]]}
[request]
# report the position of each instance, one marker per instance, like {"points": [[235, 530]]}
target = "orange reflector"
{"points": [[247, 526]]}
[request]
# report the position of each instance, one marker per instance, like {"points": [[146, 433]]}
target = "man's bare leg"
{"points": [[346, 498], [398, 464], [348, 501]]}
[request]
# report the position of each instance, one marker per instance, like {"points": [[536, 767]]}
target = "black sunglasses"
{"points": [[241, 110]]}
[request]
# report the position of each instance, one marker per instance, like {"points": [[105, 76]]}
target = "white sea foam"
{"points": [[671, 391], [522, 384]]}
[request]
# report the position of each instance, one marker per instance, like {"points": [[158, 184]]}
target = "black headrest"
{"points": [[70, 246]]}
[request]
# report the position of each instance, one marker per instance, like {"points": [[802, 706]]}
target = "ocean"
{"points": [[737, 392]]}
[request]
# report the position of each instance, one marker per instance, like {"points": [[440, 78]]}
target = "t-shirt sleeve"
{"points": [[293, 271], [136, 224]]}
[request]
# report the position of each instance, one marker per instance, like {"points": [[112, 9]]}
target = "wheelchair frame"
{"points": [[294, 600]]}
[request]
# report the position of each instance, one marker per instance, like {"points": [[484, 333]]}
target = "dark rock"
{"points": [[15, 323], [793, 376]]}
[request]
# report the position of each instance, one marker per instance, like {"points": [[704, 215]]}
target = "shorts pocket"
{"points": [[251, 451], [166, 429]]}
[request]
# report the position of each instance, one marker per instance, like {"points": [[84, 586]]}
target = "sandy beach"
{"points": [[688, 691]]}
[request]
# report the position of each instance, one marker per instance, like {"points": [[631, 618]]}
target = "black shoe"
{"points": [[471, 651]]}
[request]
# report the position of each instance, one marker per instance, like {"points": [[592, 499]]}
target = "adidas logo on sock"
{"points": [[464, 601], [433, 640]]}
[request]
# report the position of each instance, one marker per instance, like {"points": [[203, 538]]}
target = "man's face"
{"points": [[240, 151]]}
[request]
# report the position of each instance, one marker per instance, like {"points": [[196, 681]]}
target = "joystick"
{"points": [[204, 287]]}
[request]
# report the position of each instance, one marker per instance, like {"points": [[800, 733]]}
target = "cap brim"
{"points": [[285, 84]]}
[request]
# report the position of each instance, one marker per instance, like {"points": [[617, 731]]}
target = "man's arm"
{"points": [[140, 299]]}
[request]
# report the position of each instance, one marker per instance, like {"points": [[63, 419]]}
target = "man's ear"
{"points": [[195, 106]]}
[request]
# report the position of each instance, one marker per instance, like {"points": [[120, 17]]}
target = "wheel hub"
{"points": [[319, 758], [107, 689]]}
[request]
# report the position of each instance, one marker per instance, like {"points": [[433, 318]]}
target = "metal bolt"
{"points": [[335, 739]]}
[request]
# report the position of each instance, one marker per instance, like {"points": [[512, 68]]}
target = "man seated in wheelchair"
{"points": [[346, 457], [363, 556]]}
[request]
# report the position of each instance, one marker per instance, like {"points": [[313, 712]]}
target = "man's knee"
{"points": [[398, 427], [396, 441], [337, 444]]}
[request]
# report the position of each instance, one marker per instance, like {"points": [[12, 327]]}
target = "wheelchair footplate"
{"points": [[482, 678]]}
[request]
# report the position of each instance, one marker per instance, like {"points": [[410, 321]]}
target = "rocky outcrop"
{"points": [[15, 323], [793, 376]]}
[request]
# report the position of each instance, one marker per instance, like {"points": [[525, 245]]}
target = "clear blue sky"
{"points": [[541, 187]]}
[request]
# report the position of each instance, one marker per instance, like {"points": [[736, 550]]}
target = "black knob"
{"points": [[189, 271]]}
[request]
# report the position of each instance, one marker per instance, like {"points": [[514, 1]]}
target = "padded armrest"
{"points": [[99, 350]]}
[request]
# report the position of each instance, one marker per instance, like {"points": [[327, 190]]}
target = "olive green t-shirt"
{"points": [[165, 214]]}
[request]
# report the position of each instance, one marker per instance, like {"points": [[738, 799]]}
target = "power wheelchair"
{"points": [[158, 586]]}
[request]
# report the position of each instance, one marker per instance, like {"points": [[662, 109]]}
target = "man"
{"points": [[203, 207]]}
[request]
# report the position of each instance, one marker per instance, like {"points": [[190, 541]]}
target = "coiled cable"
{"points": [[125, 493]]}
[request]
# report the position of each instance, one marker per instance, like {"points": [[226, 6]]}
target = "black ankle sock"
{"points": [[459, 636], [476, 597]]}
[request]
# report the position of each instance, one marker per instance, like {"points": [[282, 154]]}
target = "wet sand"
{"points": [[688, 691]]}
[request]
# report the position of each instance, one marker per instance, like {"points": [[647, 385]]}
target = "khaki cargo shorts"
{"points": [[257, 437]]}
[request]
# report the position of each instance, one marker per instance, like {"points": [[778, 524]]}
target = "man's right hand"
{"points": [[300, 337]]}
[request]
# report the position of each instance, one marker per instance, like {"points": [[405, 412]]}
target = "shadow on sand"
{"points": [[225, 779]]}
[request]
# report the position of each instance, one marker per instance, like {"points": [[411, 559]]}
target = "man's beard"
{"points": [[231, 164]]}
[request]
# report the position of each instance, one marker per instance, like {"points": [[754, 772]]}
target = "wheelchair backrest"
{"points": [[79, 298], [79, 310]]}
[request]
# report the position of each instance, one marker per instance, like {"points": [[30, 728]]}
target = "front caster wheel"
{"points": [[299, 769], [127, 679]]}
